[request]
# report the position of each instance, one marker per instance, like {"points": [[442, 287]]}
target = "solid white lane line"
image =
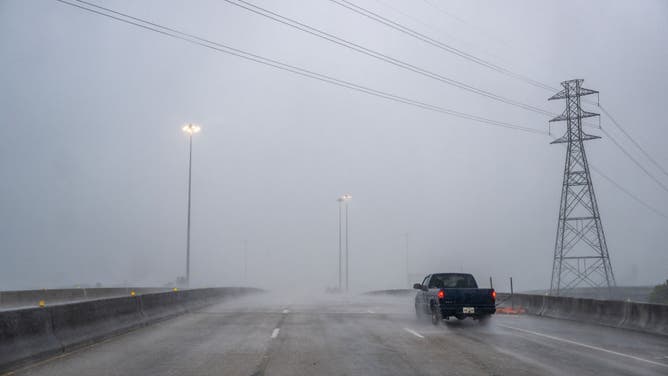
{"points": [[586, 346], [274, 334], [286, 311], [413, 332]]}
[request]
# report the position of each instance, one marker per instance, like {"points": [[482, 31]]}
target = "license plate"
{"points": [[468, 309]]}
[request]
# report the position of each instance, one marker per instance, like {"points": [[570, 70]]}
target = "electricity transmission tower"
{"points": [[580, 251]]}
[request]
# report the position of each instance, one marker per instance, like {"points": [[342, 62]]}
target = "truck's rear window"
{"points": [[446, 281]]}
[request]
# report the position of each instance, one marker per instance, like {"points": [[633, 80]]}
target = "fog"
{"points": [[94, 163]]}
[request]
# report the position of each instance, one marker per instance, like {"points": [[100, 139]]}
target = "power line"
{"points": [[173, 33], [436, 43], [415, 19], [637, 145], [635, 161], [627, 192], [438, 8], [464, 22], [378, 55], [274, 16], [404, 29], [439, 29], [190, 38], [624, 190]]}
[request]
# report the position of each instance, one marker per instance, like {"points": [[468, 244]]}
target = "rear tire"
{"points": [[435, 316]]}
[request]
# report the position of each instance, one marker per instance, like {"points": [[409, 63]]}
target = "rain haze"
{"points": [[94, 163]]}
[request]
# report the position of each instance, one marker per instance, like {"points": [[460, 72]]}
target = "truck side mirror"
{"points": [[417, 286]]}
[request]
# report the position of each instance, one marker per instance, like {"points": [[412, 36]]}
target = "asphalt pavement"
{"points": [[320, 334]]}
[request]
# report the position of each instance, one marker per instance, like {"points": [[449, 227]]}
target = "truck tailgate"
{"points": [[472, 297]]}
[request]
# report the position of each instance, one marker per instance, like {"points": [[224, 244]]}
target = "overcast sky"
{"points": [[93, 162]]}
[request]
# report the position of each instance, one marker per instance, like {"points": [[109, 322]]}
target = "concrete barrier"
{"points": [[395, 292], [27, 298], [30, 334], [647, 317], [638, 294], [162, 306], [31, 298], [79, 324], [650, 318], [26, 335]]}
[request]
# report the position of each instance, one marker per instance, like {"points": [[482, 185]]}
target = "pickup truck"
{"points": [[446, 295]]}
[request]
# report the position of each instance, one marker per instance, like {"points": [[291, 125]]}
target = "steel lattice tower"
{"points": [[580, 251]]}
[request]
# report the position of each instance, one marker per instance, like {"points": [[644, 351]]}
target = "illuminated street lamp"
{"points": [[190, 129]]}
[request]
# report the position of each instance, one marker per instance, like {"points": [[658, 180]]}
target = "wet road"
{"points": [[335, 335]]}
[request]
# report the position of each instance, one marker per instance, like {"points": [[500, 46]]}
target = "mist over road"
{"points": [[318, 334]]}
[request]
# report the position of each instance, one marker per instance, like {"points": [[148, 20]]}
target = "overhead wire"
{"points": [[635, 161], [193, 39], [441, 45], [448, 48], [464, 22], [438, 29], [624, 190], [346, 43], [627, 192], [272, 15], [635, 143], [190, 38], [378, 55]]}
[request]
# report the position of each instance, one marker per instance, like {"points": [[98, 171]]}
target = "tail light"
{"points": [[441, 294], [493, 294]]}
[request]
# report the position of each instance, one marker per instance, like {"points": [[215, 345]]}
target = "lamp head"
{"points": [[191, 128]]}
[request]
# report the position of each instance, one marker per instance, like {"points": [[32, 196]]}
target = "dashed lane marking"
{"points": [[413, 332], [286, 311], [274, 334], [586, 346]]}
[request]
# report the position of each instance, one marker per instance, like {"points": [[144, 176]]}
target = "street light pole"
{"points": [[190, 129], [340, 200], [190, 167], [344, 199], [347, 252]]}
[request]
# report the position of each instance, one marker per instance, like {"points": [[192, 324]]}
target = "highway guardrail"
{"points": [[31, 298], [646, 317], [31, 334]]}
